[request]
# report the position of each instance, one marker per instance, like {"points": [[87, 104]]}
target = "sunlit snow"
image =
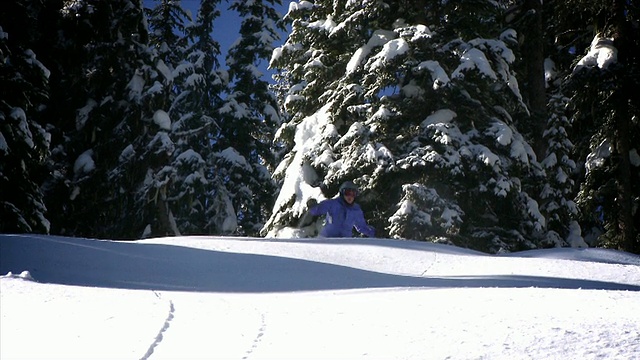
{"points": [[354, 298], [378, 38], [601, 54]]}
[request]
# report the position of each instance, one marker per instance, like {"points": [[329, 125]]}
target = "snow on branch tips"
{"points": [[299, 175], [18, 114], [601, 54], [474, 59], [4, 147], [379, 38], [233, 157], [162, 119], [84, 163], [135, 86], [438, 74], [389, 51]]}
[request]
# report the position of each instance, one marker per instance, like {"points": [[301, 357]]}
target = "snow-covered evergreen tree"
{"points": [[416, 102], [201, 83], [64, 43], [250, 117], [558, 190], [157, 146], [315, 94], [167, 22], [543, 66], [109, 147], [605, 119], [24, 144]]}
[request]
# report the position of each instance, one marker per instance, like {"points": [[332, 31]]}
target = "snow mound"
{"points": [[25, 275], [257, 265]]}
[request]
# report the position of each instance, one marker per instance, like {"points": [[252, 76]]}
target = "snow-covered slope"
{"points": [[246, 298]]}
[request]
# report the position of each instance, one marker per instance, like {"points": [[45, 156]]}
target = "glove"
{"points": [[371, 231], [311, 203]]}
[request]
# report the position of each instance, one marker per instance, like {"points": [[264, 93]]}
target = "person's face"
{"points": [[350, 195]]}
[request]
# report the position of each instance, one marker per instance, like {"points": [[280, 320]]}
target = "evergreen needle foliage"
{"points": [[493, 125]]}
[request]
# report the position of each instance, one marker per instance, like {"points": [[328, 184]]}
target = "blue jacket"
{"points": [[341, 218]]}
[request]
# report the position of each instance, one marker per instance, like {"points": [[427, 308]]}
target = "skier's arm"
{"points": [[364, 228], [319, 209]]}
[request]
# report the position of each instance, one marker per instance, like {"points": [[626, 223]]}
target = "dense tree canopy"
{"points": [[452, 111], [24, 142]]}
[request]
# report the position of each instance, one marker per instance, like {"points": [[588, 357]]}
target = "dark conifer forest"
{"points": [[493, 125]]}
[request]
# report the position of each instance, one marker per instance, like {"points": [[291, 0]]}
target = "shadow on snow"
{"points": [[125, 265]]}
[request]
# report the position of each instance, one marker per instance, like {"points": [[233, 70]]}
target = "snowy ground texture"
{"points": [[247, 298]]}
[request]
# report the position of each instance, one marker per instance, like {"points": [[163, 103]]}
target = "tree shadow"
{"points": [[126, 265]]}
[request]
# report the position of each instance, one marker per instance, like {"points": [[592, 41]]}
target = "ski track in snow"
{"points": [[258, 338], [164, 328], [433, 262]]}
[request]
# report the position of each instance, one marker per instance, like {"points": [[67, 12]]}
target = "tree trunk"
{"points": [[533, 51], [164, 224], [420, 11]]}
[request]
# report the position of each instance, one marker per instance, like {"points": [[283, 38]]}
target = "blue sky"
{"points": [[226, 26]]}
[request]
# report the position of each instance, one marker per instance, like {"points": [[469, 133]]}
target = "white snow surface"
{"points": [[352, 298]]}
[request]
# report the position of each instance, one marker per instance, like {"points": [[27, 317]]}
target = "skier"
{"points": [[343, 214]]}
